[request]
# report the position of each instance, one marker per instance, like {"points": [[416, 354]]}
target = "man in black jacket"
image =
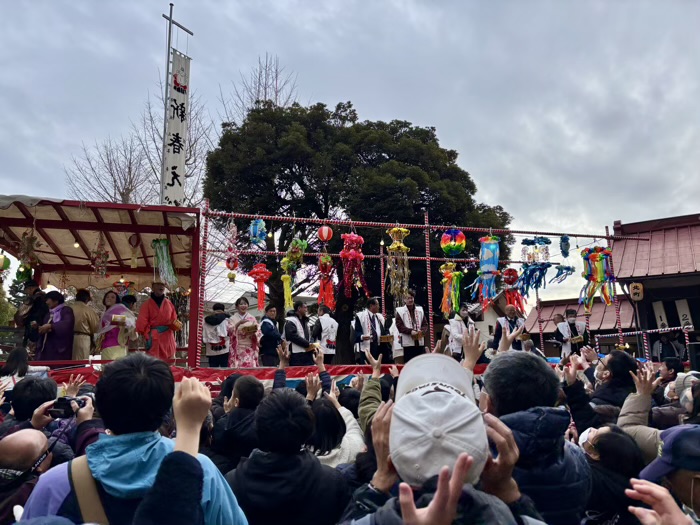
{"points": [[31, 314], [271, 337], [282, 482], [297, 333]]}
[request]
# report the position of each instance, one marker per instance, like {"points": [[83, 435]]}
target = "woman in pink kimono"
{"points": [[243, 333]]}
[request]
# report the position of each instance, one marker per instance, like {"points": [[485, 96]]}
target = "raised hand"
{"points": [[571, 371], [190, 406], [385, 476], [318, 359], [229, 404], [508, 337], [41, 417], [644, 380], [590, 355], [73, 386], [375, 363], [443, 508], [394, 371], [497, 477], [333, 395], [283, 354], [472, 349], [313, 386], [664, 510]]}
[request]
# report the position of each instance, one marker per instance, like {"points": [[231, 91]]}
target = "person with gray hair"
{"points": [[529, 346]]}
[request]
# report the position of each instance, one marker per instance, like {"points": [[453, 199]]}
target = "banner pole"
{"points": [[165, 100]]}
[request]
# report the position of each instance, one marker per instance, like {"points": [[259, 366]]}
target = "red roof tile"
{"points": [[673, 248], [602, 316]]}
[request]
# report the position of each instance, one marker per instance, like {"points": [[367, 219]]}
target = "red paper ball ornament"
{"points": [[510, 276], [325, 233], [232, 263]]}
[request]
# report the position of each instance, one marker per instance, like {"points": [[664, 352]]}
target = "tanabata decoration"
{"points": [[536, 249], [163, 262], [564, 246], [512, 291], [258, 233], [533, 277], [397, 265], [99, 257], [562, 273], [352, 258], [232, 252], [485, 284], [260, 275], [290, 264], [27, 248], [599, 276], [451, 281], [453, 242], [325, 234], [134, 244], [326, 294]]}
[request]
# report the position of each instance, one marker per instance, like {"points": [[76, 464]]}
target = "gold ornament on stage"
{"points": [[397, 271]]}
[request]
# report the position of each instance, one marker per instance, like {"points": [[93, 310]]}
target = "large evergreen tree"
{"points": [[316, 162]]}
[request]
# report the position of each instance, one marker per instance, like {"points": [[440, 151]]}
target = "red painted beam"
{"points": [[57, 251], [143, 248], [135, 207], [93, 226], [76, 235], [99, 218], [77, 268]]}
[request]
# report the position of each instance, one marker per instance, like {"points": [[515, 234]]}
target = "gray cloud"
{"points": [[569, 114]]}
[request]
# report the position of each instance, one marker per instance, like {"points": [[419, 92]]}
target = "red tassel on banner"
{"points": [[325, 294], [260, 275]]}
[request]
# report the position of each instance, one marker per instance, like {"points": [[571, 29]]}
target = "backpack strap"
{"points": [[85, 488]]}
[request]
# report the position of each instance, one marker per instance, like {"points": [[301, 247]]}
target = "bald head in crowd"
{"points": [[20, 450]]}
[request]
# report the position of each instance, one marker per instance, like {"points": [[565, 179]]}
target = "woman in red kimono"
{"points": [[243, 333], [158, 322]]}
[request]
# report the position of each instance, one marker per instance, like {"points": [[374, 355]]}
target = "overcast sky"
{"points": [[569, 114]]}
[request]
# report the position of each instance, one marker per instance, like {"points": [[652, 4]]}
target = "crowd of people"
{"points": [[603, 440]]}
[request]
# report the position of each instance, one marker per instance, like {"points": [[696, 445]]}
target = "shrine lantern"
{"points": [[325, 234]]}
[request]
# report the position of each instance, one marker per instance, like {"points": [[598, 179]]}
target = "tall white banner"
{"points": [[173, 174]]}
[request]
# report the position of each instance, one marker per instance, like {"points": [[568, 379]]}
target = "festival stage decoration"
{"points": [[397, 264], [485, 284], [325, 234], [564, 246], [260, 275], [599, 276], [453, 242], [121, 287], [563, 272], [451, 281], [533, 275], [232, 252], [27, 248], [134, 244], [258, 233], [326, 295], [161, 248], [512, 291], [290, 264], [99, 257], [352, 257]]}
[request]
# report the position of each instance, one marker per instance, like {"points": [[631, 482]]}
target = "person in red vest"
{"points": [[158, 322]]}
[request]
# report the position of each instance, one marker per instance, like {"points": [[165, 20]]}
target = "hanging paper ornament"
{"points": [[163, 262], [27, 248], [352, 258], [232, 251], [599, 276], [325, 294], [325, 234], [451, 281], [564, 246], [134, 244], [562, 273], [397, 265], [121, 287], [290, 264], [258, 233], [100, 257], [485, 284], [453, 242], [536, 250], [512, 291], [533, 277], [260, 275]]}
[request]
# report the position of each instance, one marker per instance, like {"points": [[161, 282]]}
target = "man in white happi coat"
{"points": [[514, 322], [412, 325], [369, 327], [325, 331], [571, 334], [460, 325]]}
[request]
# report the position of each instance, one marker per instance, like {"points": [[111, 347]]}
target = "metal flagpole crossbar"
{"points": [[644, 333], [428, 259]]}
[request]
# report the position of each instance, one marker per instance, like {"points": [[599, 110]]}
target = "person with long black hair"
{"points": [[15, 369]]}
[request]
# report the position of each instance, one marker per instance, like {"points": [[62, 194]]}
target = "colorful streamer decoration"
{"points": [[163, 262], [397, 265], [290, 264], [232, 252], [485, 284], [326, 294], [564, 246], [599, 276], [512, 291], [352, 258], [562, 273], [99, 257], [258, 233], [533, 277], [536, 250], [453, 242], [451, 281], [260, 275], [134, 244]]}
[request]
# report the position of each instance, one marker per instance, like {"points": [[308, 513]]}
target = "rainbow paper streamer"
{"points": [[599, 277], [453, 242], [485, 284]]}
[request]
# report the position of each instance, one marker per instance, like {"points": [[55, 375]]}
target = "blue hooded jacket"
{"points": [[551, 471], [125, 468]]}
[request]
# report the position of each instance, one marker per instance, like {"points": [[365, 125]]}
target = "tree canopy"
{"points": [[325, 163]]}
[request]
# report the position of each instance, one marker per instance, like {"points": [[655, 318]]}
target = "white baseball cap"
{"points": [[435, 420], [427, 368]]}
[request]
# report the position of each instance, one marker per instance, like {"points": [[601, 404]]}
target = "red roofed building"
{"points": [[667, 266]]}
